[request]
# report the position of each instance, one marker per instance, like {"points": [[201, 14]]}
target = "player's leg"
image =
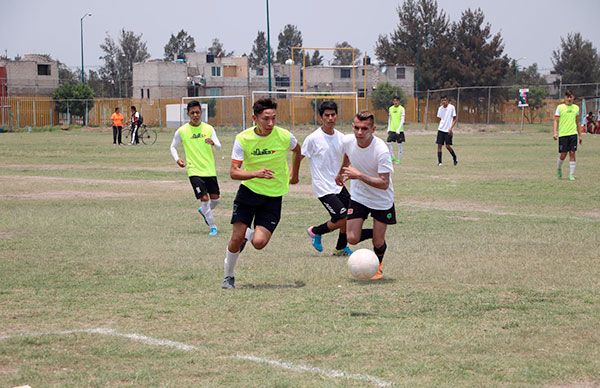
{"points": [[201, 192], [450, 149], [381, 219], [268, 215], [233, 253], [114, 128], [337, 207], [563, 149], [572, 163], [357, 214], [212, 186], [391, 139], [440, 142], [120, 134], [401, 140]]}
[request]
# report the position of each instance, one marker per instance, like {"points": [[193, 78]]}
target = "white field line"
{"points": [[331, 373]]}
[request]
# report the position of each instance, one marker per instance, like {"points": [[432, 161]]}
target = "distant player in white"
{"points": [[324, 149], [447, 115], [367, 163]]}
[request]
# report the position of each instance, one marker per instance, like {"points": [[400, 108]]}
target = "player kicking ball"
{"points": [[324, 149], [367, 163]]}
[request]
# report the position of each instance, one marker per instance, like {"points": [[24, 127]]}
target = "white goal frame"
{"points": [[185, 100], [312, 95]]}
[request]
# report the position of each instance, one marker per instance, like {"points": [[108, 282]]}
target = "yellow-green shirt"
{"points": [[266, 152], [567, 122], [395, 118], [198, 154]]}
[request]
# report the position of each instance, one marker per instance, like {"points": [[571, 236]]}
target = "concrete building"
{"points": [[31, 75], [159, 79]]}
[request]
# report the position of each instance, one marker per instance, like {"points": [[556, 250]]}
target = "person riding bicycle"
{"points": [[136, 123]]}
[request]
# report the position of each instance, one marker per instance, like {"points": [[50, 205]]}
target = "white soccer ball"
{"points": [[363, 264]]}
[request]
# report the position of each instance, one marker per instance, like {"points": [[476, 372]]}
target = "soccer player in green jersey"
{"points": [[259, 160], [198, 139], [567, 132], [396, 116]]}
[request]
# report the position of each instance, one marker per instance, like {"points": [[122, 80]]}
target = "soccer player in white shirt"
{"points": [[324, 149], [367, 163], [447, 115]]}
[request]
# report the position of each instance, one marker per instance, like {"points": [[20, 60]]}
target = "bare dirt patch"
{"points": [[65, 194]]}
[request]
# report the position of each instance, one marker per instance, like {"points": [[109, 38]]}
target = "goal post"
{"points": [[223, 111], [301, 108]]}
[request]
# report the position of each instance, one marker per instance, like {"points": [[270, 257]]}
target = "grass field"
{"points": [[108, 277]]}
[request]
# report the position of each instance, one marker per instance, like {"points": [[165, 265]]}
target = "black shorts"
{"points": [[203, 185], [567, 143], [443, 138], [358, 210], [264, 210], [395, 137], [337, 204]]}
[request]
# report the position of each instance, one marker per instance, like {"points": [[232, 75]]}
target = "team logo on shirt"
{"points": [[198, 136], [264, 151]]}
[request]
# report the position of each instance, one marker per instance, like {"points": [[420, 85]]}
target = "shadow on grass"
{"points": [[359, 282], [266, 286]]}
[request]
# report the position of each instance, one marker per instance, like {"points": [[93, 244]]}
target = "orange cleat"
{"points": [[379, 274]]}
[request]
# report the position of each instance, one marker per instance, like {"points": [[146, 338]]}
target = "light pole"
{"points": [[268, 47], [81, 29], [517, 67]]}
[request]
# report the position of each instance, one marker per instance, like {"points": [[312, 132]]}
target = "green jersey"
{"points": [[567, 122], [266, 152], [395, 119], [198, 153]]}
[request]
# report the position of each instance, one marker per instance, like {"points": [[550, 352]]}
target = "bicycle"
{"points": [[147, 135]]}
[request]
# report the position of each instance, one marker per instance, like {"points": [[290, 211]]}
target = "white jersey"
{"points": [[372, 160], [325, 154], [446, 116]]}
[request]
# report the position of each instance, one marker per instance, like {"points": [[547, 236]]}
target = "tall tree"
{"points": [[218, 50], [422, 39], [478, 56], [576, 60], [119, 59], [258, 56], [316, 59], [66, 75], [344, 57], [178, 45], [288, 38]]}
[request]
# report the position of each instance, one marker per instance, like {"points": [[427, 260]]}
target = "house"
{"points": [[31, 75]]}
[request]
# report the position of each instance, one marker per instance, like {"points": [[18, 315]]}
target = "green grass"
{"points": [[491, 273]]}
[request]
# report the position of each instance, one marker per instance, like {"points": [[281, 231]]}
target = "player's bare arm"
{"points": [[237, 173], [296, 159], [340, 178], [382, 181]]}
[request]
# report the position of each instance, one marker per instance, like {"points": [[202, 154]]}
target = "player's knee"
{"points": [[353, 238], [259, 243]]}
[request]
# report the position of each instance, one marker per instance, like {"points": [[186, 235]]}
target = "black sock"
{"points": [[380, 251], [342, 241], [453, 155], [439, 156], [321, 229], [366, 234]]}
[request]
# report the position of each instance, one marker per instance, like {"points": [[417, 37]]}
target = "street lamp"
{"points": [[81, 29], [517, 67], [268, 47]]}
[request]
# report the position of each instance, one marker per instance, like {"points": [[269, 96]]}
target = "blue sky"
{"points": [[530, 29]]}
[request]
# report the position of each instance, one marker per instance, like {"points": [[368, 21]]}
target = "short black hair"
{"points": [[192, 104], [263, 104], [133, 107], [444, 96], [569, 93], [395, 98], [327, 105], [365, 115]]}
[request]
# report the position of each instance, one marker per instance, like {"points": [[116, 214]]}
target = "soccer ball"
{"points": [[363, 264]]}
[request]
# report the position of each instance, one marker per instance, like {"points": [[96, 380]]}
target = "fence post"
{"points": [[426, 114], [68, 114], [34, 115], [159, 114], [457, 104], [51, 118], [18, 114], [489, 104]]}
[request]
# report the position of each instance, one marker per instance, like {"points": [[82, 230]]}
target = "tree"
{"points": [[74, 97], [258, 56], [218, 50], [383, 94], [288, 38], [316, 59], [178, 45], [117, 71], [65, 74], [577, 61], [478, 56], [344, 57], [422, 39]]}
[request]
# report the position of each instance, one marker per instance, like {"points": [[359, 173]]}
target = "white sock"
{"points": [[207, 211], [559, 164], [214, 203], [391, 148], [229, 264], [572, 168], [400, 150], [249, 234]]}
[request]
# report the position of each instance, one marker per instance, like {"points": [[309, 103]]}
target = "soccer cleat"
{"points": [[455, 162], [213, 231], [379, 274], [559, 173], [228, 283], [571, 177], [396, 161], [439, 164], [203, 216], [342, 252], [315, 240]]}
